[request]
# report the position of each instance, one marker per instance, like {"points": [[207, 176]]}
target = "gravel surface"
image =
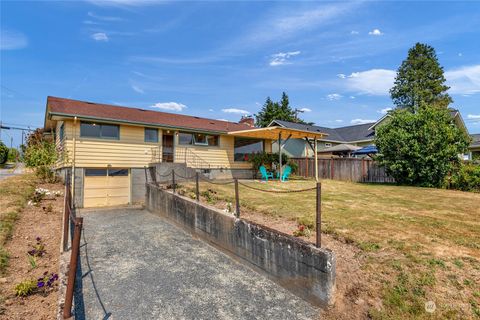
{"points": [[135, 265]]}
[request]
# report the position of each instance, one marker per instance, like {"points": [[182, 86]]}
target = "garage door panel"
{"points": [[106, 190]]}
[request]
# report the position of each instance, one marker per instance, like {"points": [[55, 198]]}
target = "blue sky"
{"points": [[336, 60]]}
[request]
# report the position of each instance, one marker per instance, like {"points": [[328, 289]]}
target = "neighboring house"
{"points": [[357, 135], [475, 147], [109, 146]]}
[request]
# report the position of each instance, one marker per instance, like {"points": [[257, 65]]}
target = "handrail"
{"points": [[183, 155]]}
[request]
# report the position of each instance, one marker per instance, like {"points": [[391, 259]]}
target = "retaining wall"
{"points": [[302, 268]]}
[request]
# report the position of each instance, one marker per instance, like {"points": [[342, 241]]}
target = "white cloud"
{"points": [[354, 32], [235, 110], [373, 82], [221, 119], [376, 32], [11, 40], [464, 80], [460, 54], [211, 110], [124, 3], [334, 96], [361, 121], [104, 18], [172, 106], [285, 23], [339, 121], [474, 116], [352, 97], [305, 109], [341, 76], [100, 36], [385, 110], [282, 58], [137, 89]]}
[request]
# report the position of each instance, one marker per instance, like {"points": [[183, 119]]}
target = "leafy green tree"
{"points": [[41, 155], [276, 111], [420, 148], [420, 80], [3, 153]]}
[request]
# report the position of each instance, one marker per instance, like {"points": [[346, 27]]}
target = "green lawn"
{"points": [[420, 241]]}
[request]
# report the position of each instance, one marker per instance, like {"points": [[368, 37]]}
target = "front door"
{"points": [[167, 148]]}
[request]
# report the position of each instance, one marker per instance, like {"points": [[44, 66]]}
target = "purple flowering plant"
{"points": [[38, 248], [46, 281]]}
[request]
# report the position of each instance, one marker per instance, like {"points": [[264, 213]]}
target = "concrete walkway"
{"points": [[136, 265]]}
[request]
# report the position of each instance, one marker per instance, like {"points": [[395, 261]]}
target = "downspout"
{"points": [[73, 160]]}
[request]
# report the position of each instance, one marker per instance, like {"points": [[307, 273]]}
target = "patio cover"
{"points": [[279, 133], [344, 147], [371, 149]]}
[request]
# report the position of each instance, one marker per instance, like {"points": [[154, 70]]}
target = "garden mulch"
{"points": [[34, 221]]}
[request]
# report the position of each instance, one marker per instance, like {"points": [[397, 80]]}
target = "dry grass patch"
{"points": [[420, 244], [14, 194]]}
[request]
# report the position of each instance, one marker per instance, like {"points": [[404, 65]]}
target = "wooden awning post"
{"points": [[316, 160], [280, 153]]}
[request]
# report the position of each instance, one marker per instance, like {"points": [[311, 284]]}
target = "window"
{"points": [[95, 172], [96, 130], [199, 139], [244, 147], [104, 172], [328, 144], [117, 172], [185, 138], [151, 135], [61, 133]]}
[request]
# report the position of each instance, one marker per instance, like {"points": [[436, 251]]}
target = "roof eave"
{"points": [[80, 117]]}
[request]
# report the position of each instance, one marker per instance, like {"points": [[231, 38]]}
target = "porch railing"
{"points": [[182, 155]]}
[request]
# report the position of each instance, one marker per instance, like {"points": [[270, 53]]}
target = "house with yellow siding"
{"points": [[108, 148]]}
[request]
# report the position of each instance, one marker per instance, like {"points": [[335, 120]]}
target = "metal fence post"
{"points": [[173, 180], [67, 308], [319, 215], [197, 188], [237, 199], [66, 216]]}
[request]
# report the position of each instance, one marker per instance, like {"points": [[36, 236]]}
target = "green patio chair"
{"points": [[265, 173], [285, 173]]}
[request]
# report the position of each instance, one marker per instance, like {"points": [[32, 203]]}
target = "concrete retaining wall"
{"points": [[305, 270]]}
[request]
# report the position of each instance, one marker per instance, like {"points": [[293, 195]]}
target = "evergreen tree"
{"points": [[420, 80], [276, 111]]}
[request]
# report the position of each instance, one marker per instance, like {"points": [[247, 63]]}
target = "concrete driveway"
{"points": [[135, 265]]}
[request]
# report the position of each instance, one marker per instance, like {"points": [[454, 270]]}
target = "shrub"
{"points": [[41, 155], [466, 177], [266, 159], [420, 148], [26, 288], [13, 155], [3, 153]]}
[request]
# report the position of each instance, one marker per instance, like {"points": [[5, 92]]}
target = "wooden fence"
{"points": [[345, 169]]}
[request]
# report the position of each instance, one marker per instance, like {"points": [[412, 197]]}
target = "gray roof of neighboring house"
{"points": [[475, 140], [358, 132]]}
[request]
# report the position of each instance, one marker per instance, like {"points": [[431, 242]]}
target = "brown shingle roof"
{"points": [[62, 106]]}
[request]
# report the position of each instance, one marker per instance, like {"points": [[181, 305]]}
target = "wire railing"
{"points": [[174, 178], [71, 225]]}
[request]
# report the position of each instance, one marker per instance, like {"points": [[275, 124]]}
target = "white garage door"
{"points": [[106, 187]]}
